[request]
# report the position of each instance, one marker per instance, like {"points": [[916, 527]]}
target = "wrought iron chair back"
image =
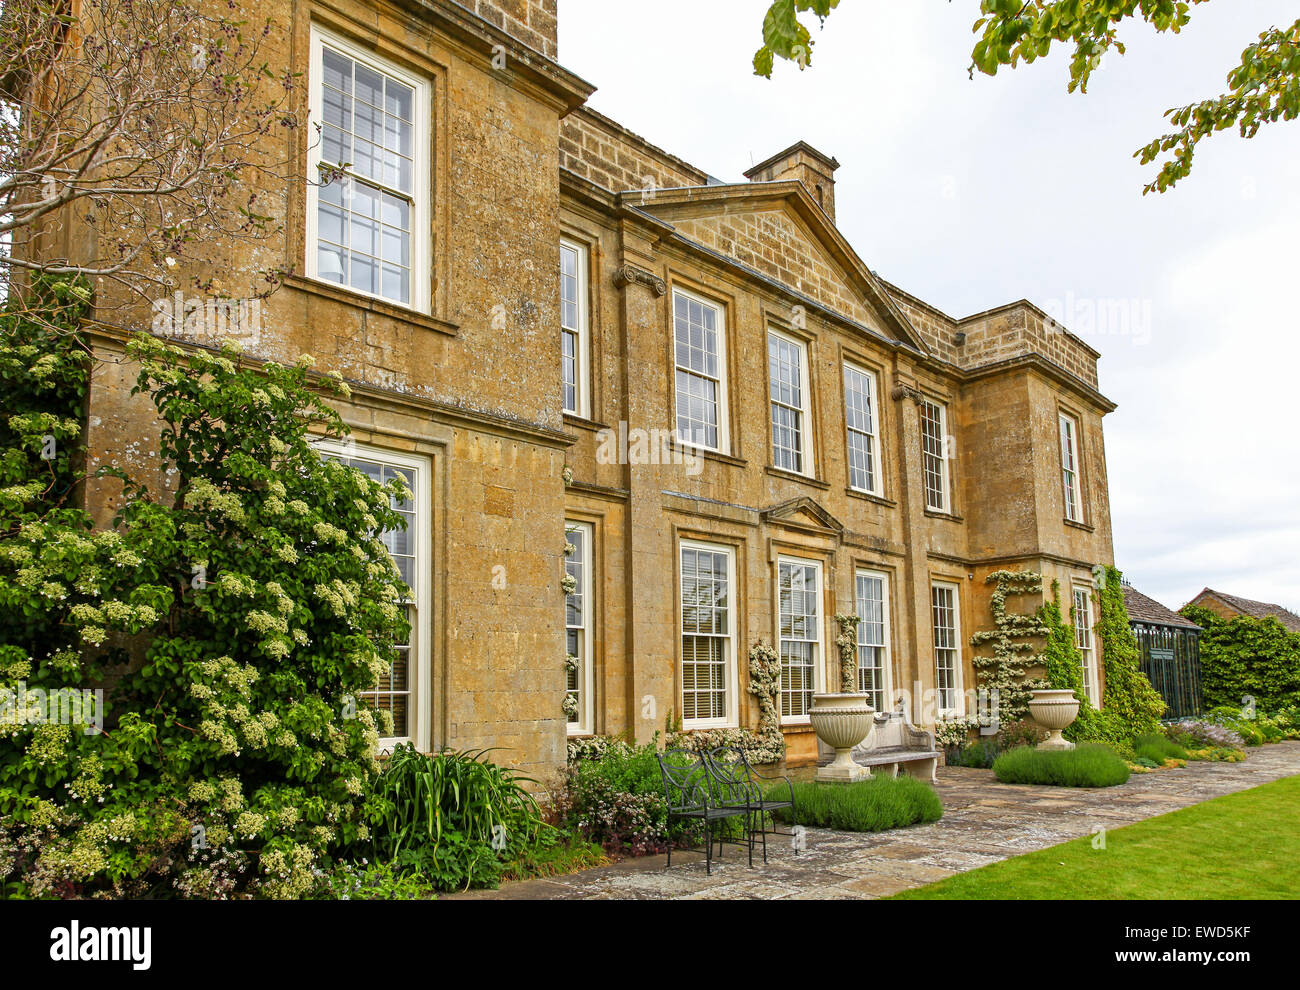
{"points": [[686, 780], [730, 780]]}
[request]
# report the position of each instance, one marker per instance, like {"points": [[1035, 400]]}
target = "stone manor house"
{"points": [[553, 327]]}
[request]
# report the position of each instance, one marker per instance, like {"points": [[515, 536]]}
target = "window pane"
{"points": [[799, 621], [934, 456], [577, 616], [860, 416], [393, 692], [698, 376], [706, 643], [786, 392], [368, 128], [871, 639], [947, 654]]}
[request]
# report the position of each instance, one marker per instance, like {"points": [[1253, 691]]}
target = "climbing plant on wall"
{"points": [[1003, 672], [847, 643], [1130, 705], [1247, 657], [1064, 666], [765, 685]]}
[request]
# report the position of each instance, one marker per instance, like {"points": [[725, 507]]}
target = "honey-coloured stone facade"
{"points": [[470, 387]]}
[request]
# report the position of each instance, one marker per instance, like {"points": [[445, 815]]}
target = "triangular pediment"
{"points": [[776, 230], [804, 513]]}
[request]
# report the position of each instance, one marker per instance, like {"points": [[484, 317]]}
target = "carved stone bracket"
{"points": [[902, 390], [632, 275]]}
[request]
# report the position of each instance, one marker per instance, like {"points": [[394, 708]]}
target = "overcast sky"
{"points": [[975, 193]]}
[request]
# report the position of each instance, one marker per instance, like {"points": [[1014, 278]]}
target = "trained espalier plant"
{"points": [[1013, 643], [241, 612]]}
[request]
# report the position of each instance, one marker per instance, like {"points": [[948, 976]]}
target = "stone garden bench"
{"points": [[892, 744]]}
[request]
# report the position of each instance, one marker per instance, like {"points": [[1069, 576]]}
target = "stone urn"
{"points": [[1054, 710], [841, 721]]}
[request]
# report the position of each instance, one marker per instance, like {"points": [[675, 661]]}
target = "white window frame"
{"points": [[874, 459], [1086, 641], [958, 687], [421, 192], [819, 644], [420, 663], [586, 666], [941, 456], [887, 673], [1071, 467], [731, 718], [807, 466], [582, 333], [723, 424]]}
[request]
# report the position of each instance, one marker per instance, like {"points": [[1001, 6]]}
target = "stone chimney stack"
{"points": [[532, 22], [804, 163]]}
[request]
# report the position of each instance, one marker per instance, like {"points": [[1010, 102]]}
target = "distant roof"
{"points": [[1254, 609], [1149, 611]]}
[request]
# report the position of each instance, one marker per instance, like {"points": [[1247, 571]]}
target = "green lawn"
{"points": [[1240, 846]]}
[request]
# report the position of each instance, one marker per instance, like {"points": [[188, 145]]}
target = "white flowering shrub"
{"points": [[233, 622]]}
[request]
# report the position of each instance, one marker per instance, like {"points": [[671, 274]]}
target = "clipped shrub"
{"points": [[1087, 765], [1130, 704], [872, 805]]}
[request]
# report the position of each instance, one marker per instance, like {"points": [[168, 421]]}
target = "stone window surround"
{"points": [[945, 454], [412, 65], [819, 660], [958, 688], [877, 446], [420, 247], [887, 672], [724, 330], [807, 432], [1064, 411], [583, 330], [735, 616]]}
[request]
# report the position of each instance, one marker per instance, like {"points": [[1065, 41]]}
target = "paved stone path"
{"points": [[983, 822]]}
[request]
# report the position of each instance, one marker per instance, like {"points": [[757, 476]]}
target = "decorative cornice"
{"points": [[626, 275]]}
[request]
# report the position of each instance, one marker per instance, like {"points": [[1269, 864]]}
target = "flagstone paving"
{"points": [[983, 822]]}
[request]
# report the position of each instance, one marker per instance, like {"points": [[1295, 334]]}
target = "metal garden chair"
{"points": [[694, 795], [731, 762]]}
